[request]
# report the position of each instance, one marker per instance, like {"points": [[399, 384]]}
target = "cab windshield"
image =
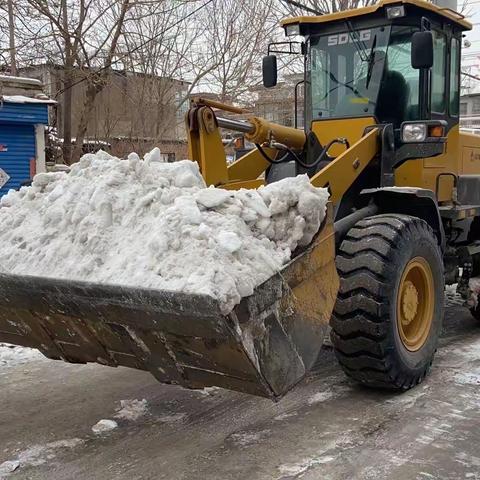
{"points": [[362, 73]]}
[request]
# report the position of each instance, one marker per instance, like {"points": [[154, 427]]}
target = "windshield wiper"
{"points": [[371, 61], [339, 84], [356, 41]]}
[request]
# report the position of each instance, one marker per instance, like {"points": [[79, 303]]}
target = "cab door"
{"points": [[440, 103]]}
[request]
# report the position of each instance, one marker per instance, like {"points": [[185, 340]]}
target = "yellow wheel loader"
{"points": [[381, 115]]}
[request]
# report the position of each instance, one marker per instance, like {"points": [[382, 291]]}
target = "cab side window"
{"points": [[454, 77], [438, 80]]}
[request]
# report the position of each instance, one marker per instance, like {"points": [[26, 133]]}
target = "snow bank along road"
{"points": [[327, 428]]}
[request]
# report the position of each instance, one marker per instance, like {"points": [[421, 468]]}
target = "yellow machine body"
{"points": [[205, 146], [461, 157]]}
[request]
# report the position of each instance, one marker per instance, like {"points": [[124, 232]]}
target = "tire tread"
{"points": [[360, 321]]}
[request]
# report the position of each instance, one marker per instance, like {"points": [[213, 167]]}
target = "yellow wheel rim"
{"points": [[415, 304]]}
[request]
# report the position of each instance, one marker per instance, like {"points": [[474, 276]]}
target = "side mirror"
{"points": [[422, 50], [269, 70]]}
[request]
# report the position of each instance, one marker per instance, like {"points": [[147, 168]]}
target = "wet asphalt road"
{"points": [[327, 428]]}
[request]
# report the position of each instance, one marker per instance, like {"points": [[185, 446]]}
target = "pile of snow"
{"points": [[474, 285], [8, 467], [150, 224], [103, 426], [37, 455], [132, 409], [12, 355]]}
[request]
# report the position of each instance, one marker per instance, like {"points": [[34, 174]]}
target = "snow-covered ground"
{"points": [[326, 428]]}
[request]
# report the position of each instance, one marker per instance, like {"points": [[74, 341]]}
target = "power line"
{"points": [[467, 4], [470, 75], [303, 7], [138, 47]]}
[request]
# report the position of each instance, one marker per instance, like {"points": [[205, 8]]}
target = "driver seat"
{"points": [[392, 96]]}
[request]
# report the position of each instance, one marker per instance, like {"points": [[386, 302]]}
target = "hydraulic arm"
{"points": [[206, 147]]}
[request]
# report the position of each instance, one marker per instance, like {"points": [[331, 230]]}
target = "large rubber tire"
{"points": [[365, 335]]}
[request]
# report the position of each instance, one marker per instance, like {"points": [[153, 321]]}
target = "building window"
{"points": [[476, 105], [463, 108], [168, 157], [181, 104]]}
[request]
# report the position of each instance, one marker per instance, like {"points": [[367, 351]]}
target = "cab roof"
{"points": [[447, 13]]}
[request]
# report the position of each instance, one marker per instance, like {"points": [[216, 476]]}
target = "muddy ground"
{"points": [[327, 428]]}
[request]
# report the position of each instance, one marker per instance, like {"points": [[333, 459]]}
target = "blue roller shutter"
{"points": [[17, 150], [26, 113]]}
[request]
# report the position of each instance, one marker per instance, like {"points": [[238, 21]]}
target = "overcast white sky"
{"points": [[471, 55]]}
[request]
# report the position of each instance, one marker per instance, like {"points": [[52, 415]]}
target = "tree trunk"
{"points": [[67, 89], [96, 84], [11, 30], [94, 87], [67, 115]]}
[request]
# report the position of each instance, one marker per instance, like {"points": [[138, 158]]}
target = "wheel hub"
{"points": [[409, 302], [415, 303]]}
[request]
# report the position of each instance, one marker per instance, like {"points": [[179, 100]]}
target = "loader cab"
{"points": [[374, 76], [360, 78], [359, 66]]}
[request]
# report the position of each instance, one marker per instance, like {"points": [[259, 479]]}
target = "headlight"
{"points": [[292, 30], [395, 12], [414, 132]]}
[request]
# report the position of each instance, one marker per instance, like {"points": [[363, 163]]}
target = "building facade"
{"points": [[278, 104], [470, 112], [132, 107]]}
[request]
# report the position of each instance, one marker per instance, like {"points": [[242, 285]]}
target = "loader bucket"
{"points": [[263, 347]]}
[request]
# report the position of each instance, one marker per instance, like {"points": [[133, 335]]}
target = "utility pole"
{"points": [[67, 88], [11, 30]]}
